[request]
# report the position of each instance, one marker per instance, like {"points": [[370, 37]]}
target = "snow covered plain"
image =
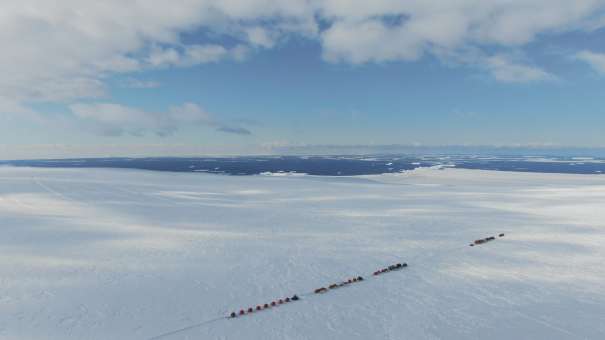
{"points": [[123, 254]]}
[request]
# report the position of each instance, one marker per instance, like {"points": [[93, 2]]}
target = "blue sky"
{"points": [[195, 77]]}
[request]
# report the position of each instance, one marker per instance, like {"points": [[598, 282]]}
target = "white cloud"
{"points": [[372, 40], [189, 113], [115, 119], [61, 51], [135, 83], [506, 70], [259, 36], [164, 56], [64, 51], [9, 107], [193, 55], [384, 30], [595, 60], [112, 119], [198, 54]]}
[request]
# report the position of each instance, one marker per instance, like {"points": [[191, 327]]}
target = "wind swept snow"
{"points": [[123, 254]]}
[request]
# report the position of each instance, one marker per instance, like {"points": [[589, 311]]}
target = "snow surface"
{"points": [[124, 254]]}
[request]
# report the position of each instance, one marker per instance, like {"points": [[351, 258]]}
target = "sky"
{"points": [[194, 77]]}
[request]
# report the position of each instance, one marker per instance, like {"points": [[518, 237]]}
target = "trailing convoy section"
{"points": [[392, 267], [484, 240], [322, 290], [338, 285], [258, 308]]}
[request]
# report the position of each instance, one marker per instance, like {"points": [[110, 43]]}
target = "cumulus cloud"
{"points": [[260, 36], [366, 31], [460, 32], [595, 60], [371, 40], [64, 51], [59, 51]]}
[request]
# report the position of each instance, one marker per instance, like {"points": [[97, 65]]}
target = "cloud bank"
{"points": [[64, 52]]}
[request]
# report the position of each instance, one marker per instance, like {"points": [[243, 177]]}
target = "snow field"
{"points": [[121, 254]]}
